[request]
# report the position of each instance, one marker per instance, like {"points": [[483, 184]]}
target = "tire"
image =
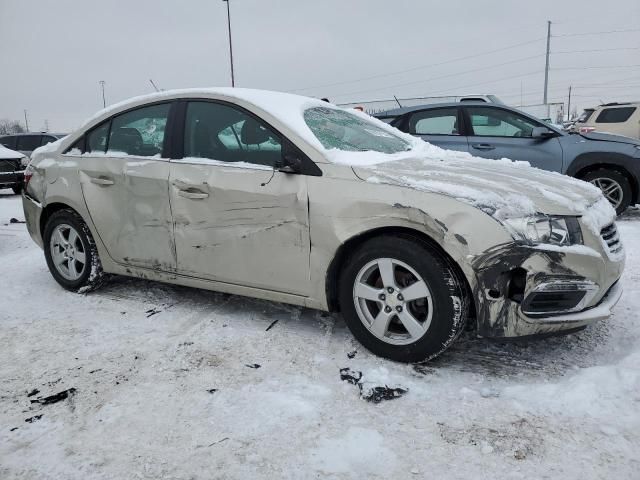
{"points": [[17, 189], [73, 238], [441, 314], [604, 178]]}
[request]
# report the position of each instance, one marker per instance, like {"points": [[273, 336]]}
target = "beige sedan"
{"points": [[291, 199]]}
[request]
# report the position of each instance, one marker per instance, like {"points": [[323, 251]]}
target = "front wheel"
{"points": [[614, 185], [402, 299], [71, 253]]}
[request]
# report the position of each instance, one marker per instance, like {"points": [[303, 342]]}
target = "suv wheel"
{"points": [[71, 253], [402, 299], [614, 185]]}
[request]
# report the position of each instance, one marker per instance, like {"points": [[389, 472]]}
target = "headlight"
{"points": [[544, 229], [24, 161]]}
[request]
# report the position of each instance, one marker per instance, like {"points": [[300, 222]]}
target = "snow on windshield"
{"points": [[341, 130]]}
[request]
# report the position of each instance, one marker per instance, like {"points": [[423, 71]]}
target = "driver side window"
{"points": [[221, 132], [495, 122]]}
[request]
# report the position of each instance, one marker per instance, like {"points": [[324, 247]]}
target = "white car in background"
{"points": [[617, 118], [12, 165]]}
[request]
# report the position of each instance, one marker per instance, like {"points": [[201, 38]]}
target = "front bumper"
{"points": [[32, 212], [509, 276]]}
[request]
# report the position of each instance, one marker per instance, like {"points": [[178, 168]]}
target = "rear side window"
{"points": [[139, 132], [443, 121], [615, 115], [28, 142], [47, 139], [586, 115]]}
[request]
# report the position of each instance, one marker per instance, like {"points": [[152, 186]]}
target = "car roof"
{"points": [[22, 134], [401, 111]]}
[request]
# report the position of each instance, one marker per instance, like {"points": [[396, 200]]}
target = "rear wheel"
{"points": [[402, 299], [614, 185], [71, 253]]}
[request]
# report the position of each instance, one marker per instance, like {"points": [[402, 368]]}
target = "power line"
{"points": [[413, 69], [465, 72], [595, 50], [608, 32], [595, 67]]}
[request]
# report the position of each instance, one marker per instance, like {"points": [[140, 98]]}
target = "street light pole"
{"points": [[233, 83]]}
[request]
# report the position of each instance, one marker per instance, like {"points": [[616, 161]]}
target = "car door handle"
{"points": [[105, 182], [192, 195], [483, 146]]}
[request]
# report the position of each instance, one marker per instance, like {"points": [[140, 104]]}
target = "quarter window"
{"points": [[443, 121], [97, 138], [495, 122], [221, 132], [139, 132], [615, 115]]}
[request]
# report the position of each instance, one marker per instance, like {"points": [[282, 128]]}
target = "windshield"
{"points": [[345, 131]]}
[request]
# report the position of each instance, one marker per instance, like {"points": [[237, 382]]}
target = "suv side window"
{"points": [[28, 142], [441, 121], [222, 132], [615, 115], [9, 142], [139, 132], [495, 122], [47, 139]]}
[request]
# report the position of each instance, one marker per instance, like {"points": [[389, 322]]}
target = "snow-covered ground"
{"points": [[165, 385]]}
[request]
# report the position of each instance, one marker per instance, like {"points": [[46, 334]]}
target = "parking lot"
{"points": [[146, 380]]}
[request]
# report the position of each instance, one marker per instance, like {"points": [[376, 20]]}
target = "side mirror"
{"points": [[290, 163], [542, 132]]}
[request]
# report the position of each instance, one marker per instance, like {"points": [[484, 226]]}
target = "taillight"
{"points": [[28, 173], [587, 129]]}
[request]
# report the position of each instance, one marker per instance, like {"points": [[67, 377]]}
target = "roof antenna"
{"points": [[154, 85], [397, 101]]}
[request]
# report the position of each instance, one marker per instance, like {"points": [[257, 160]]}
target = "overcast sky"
{"points": [[53, 54]]}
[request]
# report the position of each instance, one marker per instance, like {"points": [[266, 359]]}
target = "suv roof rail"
{"points": [[614, 103]]}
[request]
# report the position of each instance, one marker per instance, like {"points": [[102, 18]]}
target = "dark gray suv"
{"points": [[610, 162]]}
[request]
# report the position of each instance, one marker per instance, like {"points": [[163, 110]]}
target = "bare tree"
{"points": [[10, 126]]}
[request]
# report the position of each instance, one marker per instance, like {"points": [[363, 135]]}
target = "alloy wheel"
{"points": [[68, 252], [611, 189], [393, 301]]}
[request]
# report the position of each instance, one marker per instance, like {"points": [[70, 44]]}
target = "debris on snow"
{"points": [[252, 365], [271, 325], [352, 354], [35, 418], [33, 392], [351, 376], [212, 390], [153, 311], [15, 220], [368, 391], [55, 398]]}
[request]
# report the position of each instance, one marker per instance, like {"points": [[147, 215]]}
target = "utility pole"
{"points": [[546, 68], [26, 121], [233, 83], [569, 106], [46, 125], [104, 102]]}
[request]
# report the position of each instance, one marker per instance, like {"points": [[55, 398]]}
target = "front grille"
{"points": [[611, 238], [10, 165]]}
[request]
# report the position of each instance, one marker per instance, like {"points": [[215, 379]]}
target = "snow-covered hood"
{"points": [[501, 188], [7, 154]]}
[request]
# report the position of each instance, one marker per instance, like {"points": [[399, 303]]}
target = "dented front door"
{"points": [[238, 224]]}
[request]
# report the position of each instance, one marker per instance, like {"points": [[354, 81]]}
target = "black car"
{"points": [[12, 165], [610, 162], [26, 143]]}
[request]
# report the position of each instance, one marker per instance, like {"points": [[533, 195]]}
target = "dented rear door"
{"points": [[242, 224]]}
